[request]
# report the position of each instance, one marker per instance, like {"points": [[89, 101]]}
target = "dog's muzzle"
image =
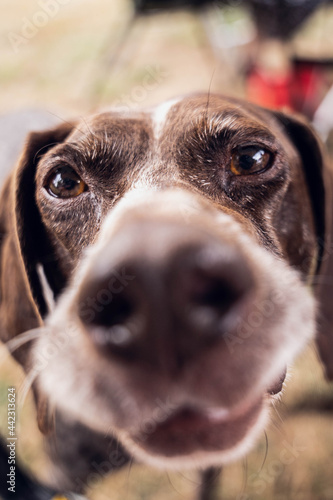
{"points": [[188, 319]]}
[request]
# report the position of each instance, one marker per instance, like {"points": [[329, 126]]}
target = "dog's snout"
{"points": [[179, 301]]}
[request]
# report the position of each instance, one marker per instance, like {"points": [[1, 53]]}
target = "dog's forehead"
{"points": [[112, 124], [212, 112]]}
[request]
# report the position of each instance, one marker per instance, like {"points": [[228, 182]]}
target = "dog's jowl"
{"points": [[166, 257]]}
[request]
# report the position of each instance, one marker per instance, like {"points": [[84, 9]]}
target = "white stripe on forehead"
{"points": [[160, 114]]}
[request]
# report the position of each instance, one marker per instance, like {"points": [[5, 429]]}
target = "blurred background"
{"points": [[70, 56], [66, 58]]}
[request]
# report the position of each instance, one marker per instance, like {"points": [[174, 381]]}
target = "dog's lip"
{"points": [[191, 429]]}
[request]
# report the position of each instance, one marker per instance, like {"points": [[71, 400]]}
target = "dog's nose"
{"points": [[178, 303]]}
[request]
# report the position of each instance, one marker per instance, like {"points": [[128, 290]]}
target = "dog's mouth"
{"points": [[189, 430]]}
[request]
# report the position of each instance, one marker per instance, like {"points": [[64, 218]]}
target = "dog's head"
{"points": [[170, 254]]}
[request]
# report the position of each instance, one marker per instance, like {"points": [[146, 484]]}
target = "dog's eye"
{"points": [[247, 160], [64, 182]]}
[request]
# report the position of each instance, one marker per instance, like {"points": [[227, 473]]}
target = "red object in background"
{"points": [[308, 86], [301, 89], [268, 91]]}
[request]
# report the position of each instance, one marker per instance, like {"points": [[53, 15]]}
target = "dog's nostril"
{"points": [[213, 294], [211, 302], [119, 311], [114, 325], [215, 286]]}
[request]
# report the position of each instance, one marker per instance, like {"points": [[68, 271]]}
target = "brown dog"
{"points": [[169, 255]]}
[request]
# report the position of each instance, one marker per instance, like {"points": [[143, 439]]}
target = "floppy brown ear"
{"points": [[325, 286], [319, 181], [312, 154], [24, 244], [33, 242]]}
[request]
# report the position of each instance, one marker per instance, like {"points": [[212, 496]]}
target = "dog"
{"points": [[165, 264]]}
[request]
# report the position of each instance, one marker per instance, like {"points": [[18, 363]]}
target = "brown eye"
{"points": [[65, 183], [248, 160]]}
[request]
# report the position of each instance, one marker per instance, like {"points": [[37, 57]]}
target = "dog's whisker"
{"points": [[65, 121], [266, 453], [46, 146], [245, 475], [129, 470], [274, 406], [130, 467], [209, 92], [188, 479], [90, 131], [172, 485], [278, 427], [275, 420], [26, 386], [22, 339]]}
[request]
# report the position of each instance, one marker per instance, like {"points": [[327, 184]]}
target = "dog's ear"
{"points": [[312, 154], [44, 277], [319, 182], [325, 286]]}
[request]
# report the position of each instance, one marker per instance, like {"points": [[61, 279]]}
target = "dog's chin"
{"points": [[200, 438]]}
